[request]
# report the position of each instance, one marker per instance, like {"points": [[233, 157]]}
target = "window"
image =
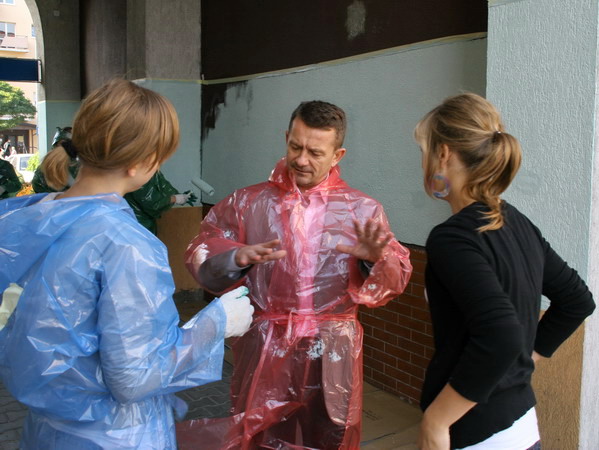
{"points": [[7, 2], [7, 29]]}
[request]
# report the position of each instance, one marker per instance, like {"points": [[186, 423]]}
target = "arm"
{"points": [[218, 257], [143, 351], [571, 303], [446, 409], [154, 197], [387, 260], [221, 271]]}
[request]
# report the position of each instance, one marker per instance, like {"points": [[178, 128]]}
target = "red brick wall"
{"points": [[398, 341]]}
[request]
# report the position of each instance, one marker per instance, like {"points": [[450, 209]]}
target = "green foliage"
{"points": [[33, 162], [15, 108]]}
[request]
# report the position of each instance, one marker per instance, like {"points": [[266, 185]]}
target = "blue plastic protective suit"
{"points": [[93, 347]]}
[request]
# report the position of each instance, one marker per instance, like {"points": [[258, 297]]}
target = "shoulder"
{"points": [[247, 196], [355, 196], [458, 230], [124, 236], [512, 214]]}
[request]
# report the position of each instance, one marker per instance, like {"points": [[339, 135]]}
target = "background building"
{"points": [[17, 40]]}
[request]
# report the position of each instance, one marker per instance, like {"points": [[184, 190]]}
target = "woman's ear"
{"points": [[444, 155], [132, 171]]}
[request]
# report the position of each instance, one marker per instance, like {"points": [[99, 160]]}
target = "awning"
{"points": [[20, 69], [15, 43]]}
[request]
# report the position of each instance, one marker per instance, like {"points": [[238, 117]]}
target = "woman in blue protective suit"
{"points": [[93, 346]]}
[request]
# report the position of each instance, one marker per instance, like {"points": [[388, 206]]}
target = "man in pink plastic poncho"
{"points": [[310, 249]]}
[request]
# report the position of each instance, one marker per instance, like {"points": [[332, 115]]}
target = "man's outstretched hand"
{"points": [[259, 253], [372, 239]]}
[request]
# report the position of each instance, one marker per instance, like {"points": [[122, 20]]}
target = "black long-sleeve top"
{"points": [[484, 292]]}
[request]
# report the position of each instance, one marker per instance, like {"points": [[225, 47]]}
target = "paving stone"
{"points": [[12, 445], [16, 415], [211, 400], [10, 435]]}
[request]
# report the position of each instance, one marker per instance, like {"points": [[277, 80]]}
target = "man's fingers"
{"points": [[358, 228], [275, 255], [372, 229], [271, 244], [387, 239], [344, 248]]}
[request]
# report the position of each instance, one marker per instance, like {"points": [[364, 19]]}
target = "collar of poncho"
{"points": [[281, 178]]}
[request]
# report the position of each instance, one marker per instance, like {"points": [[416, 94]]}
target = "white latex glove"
{"points": [[181, 199], [238, 310]]}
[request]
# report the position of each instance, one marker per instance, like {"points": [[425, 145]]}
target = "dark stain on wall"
{"points": [[243, 37], [213, 95]]}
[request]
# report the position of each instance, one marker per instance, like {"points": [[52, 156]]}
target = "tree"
{"points": [[15, 108]]}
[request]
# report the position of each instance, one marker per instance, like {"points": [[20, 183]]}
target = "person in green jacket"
{"points": [[148, 202], [38, 182], [9, 181], [155, 197]]}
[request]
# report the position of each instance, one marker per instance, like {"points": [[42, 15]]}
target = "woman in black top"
{"points": [[488, 266]]}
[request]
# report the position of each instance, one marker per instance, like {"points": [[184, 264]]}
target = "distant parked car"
{"points": [[19, 162]]}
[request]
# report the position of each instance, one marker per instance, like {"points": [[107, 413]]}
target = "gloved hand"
{"points": [[187, 197], [192, 198], [238, 310]]}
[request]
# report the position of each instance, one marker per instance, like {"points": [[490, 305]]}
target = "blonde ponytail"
{"points": [[55, 168], [492, 176]]}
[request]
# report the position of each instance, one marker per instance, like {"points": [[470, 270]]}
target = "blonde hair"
{"points": [[117, 126], [471, 127]]}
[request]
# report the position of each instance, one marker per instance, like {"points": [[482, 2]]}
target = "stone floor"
{"points": [[387, 422]]}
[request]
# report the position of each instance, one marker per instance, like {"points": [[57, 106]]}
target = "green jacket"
{"points": [[9, 180], [38, 182], [151, 200]]}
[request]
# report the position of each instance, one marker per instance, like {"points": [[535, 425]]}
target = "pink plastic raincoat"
{"points": [[297, 381]]}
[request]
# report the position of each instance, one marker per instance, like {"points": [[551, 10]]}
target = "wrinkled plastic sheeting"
{"points": [[93, 348], [308, 298]]}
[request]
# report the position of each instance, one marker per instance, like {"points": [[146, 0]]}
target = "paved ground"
{"points": [[211, 400]]}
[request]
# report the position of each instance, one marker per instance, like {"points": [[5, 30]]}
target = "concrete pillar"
{"points": [[163, 39], [104, 42], [163, 54], [58, 39], [542, 75]]}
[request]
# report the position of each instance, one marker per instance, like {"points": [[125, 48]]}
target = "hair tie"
{"points": [[68, 146], [495, 134]]}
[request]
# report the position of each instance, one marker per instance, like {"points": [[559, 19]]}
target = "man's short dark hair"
{"points": [[319, 114]]}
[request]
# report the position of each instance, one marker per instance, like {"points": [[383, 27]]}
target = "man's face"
{"points": [[311, 152]]}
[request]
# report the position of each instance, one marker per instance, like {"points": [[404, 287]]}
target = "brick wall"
{"points": [[398, 341]]}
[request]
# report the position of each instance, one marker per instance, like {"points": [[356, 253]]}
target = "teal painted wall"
{"points": [[384, 94], [185, 163], [52, 114], [542, 75]]}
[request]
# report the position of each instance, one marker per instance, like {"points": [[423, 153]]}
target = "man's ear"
{"points": [[338, 156]]}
